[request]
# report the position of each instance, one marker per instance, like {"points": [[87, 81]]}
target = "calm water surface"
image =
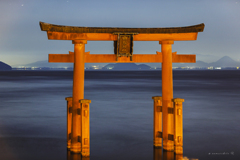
{"points": [[33, 114]]}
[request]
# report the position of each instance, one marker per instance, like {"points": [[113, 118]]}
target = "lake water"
{"points": [[33, 114]]}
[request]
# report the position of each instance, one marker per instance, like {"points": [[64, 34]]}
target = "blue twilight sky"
{"points": [[22, 41]]}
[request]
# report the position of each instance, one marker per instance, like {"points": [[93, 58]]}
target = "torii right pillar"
{"points": [[169, 125]]}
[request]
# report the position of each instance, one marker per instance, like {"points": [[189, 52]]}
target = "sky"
{"points": [[23, 42]]}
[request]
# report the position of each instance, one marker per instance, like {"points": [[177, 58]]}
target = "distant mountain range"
{"points": [[47, 64], [4, 67], [126, 66], [43, 64], [222, 62]]}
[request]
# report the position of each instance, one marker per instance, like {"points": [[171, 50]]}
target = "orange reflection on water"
{"points": [[160, 154], [76, 156]]}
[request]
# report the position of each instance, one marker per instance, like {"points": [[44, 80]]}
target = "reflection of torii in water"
{"points": [[158, 154], [166, 108]]}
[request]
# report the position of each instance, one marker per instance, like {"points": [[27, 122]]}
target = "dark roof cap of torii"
{"points": [[72, 29]]}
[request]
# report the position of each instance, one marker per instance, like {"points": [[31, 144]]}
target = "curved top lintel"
{"points": [[73, 29]]}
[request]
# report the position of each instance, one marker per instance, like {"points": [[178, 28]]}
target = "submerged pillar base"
{"points": [[85, 154], [168, 145], [178, 149], [69, 146], [157, 144], [75, 149]]}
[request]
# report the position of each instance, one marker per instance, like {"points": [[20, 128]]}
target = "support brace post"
{"points": [[157, 122], [69, 121], [178, 125], [85, 123]]}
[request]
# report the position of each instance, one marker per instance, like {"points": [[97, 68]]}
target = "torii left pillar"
{"points": [[78, 94], [167, 95]]}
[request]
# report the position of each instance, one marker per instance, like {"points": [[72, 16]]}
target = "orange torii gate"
{"points": [[166, 108]]}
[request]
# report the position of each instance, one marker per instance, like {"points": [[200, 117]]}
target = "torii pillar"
{"points": [[167, 93], [78, 93]]}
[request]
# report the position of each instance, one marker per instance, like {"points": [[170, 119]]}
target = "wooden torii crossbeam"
{"points": [[123, 38]]}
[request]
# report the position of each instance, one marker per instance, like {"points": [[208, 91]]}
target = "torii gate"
{"points": [[166, 108]]}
